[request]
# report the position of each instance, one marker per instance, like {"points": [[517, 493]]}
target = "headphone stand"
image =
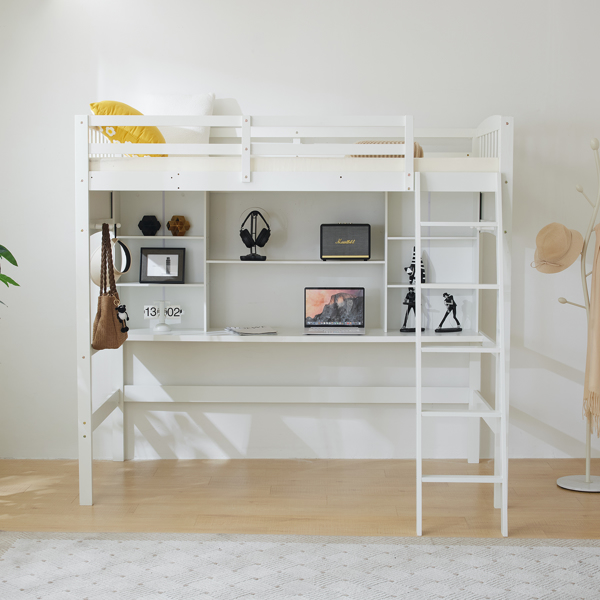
{"points": [[253, 256]]}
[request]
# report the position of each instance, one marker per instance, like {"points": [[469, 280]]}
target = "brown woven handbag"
{"points": [[110, 325]]}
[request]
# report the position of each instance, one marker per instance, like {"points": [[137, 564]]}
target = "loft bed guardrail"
{"points": [[251, 129], [299, 130], [258, 150]]}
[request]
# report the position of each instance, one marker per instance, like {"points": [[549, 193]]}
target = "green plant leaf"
{"points": [[5, 253], [6, 280], [3, 303]]}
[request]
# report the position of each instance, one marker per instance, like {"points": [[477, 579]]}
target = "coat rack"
{"points": [[587, 482]]}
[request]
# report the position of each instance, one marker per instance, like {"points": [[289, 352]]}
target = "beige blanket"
{"points": [[591, 393]]}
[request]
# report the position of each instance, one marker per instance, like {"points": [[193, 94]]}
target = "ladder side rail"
{"points": [[83, 312], [386, 258], [206, 263], [473, 450], [501, 398], [505, 149], [418, 356]]}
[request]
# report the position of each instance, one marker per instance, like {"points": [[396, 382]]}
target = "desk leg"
{"points": [[118, 415], [474, 425]]}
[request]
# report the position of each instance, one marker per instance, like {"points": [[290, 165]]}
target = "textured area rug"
{"points": [[227, 567]]}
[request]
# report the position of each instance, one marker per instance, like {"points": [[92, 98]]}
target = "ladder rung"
{"points": [[464, 349], [461, 479], [474, 224], [460, 286], [459, 410]]}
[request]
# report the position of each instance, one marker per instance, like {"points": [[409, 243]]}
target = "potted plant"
{"points": [[5, 253]]}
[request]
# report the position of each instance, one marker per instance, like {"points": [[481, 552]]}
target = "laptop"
{"points": [[334, 311]]}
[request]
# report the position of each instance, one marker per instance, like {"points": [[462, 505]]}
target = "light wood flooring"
{"points": [[308, 497]]}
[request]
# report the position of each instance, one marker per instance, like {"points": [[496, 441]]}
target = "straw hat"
{"points": [[556, 248]]}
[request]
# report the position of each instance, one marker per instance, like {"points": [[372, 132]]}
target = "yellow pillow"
{"points": [[120, 135]]}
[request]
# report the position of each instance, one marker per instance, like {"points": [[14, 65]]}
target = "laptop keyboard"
{"points": [[336, 330]]}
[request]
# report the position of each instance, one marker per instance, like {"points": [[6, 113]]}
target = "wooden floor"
{"points": [[309, 497]]}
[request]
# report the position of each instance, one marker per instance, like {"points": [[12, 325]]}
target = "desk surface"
{"points": [[296, 335]]}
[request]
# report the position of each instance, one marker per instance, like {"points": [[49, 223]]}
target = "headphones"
{"points": [[262, 238]]}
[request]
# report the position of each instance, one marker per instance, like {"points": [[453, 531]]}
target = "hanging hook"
{"points": [[565, 301], [579, 188]]}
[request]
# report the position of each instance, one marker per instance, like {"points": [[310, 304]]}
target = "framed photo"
{"points": [[162, 265]]}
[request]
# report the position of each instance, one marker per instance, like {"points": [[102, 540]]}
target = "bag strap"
{"points": [[107, 288], [103, 261]]}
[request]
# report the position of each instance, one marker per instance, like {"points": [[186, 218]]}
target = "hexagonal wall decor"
{"points": [[178, 225]]}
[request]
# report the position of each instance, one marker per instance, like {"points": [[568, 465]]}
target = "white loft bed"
{"points": [[314, 154]]}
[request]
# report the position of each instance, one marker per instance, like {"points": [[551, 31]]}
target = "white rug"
{"points": [[227, 567]]}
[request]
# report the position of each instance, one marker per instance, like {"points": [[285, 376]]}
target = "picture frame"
{"points": [[162, 265]]}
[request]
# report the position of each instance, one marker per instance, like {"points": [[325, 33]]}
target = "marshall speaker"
{"points": [[346, 241]]}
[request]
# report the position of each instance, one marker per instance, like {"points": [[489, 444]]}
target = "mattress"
{"points": [[292, 164]]}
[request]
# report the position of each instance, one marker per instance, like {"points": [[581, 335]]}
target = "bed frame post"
{"points": [[246, 149], [505, 151], [409, 154], [83, 311]]}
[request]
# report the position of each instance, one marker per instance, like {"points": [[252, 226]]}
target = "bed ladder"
{"points": [[478, 407]]}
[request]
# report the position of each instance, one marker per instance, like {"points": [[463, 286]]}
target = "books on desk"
{"points": [[261, 330]]}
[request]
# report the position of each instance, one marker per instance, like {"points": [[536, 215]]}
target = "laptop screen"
{"points": [[334, 307]]}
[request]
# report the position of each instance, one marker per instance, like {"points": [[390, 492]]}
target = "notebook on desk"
{"points": [[334, 311]]}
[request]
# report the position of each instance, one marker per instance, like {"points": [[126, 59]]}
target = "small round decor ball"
{"points": [[149, 225], [178, 225], [594, 144]]}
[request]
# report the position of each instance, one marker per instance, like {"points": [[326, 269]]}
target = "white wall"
{"points": [[462, 61]]}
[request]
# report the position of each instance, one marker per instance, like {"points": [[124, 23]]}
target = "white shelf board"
{"points": [[467, 336], [436, 237], [294, 262], [160, 237], [484, 349], [159, 284], [447, 286], [296, 335]]}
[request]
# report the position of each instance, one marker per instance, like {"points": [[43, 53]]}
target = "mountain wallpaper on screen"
{"points": [[342, 307]]}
